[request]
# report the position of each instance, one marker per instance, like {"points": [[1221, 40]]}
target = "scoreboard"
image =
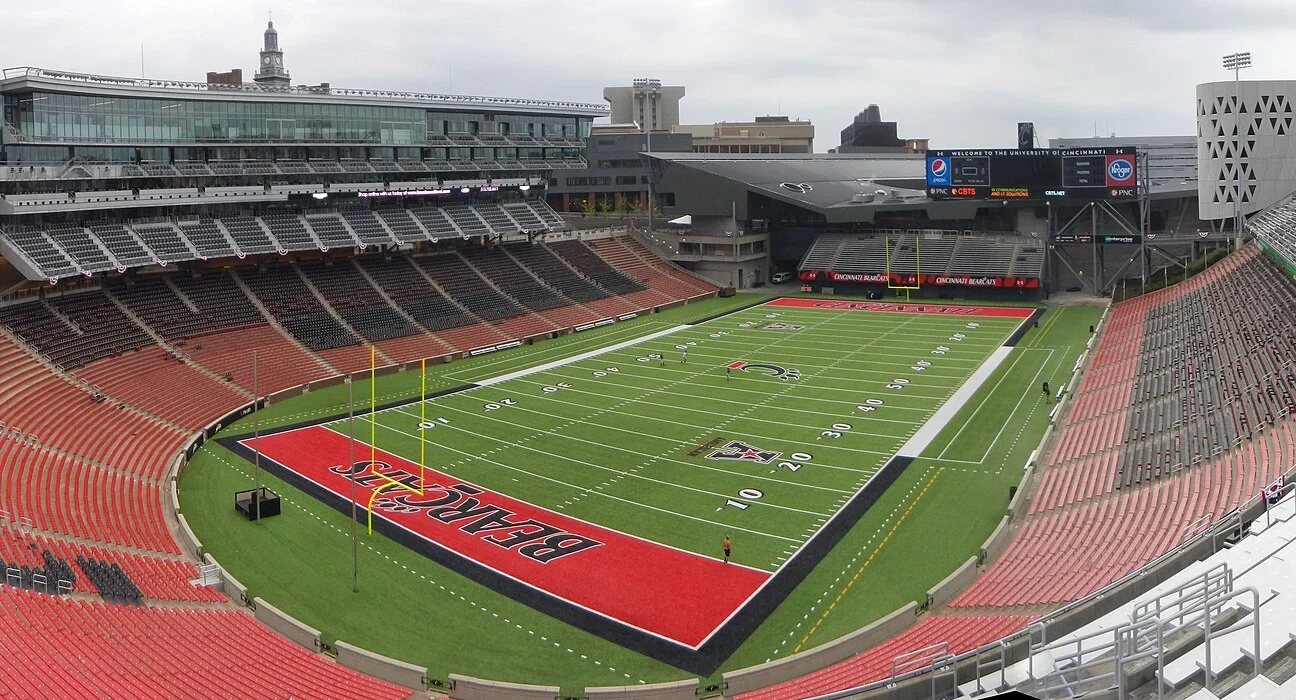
{"points": [[1033, 174]]}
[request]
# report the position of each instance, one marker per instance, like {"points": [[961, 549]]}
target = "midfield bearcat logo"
{"points": [[739, 451], [459, 506], [781, 373]]}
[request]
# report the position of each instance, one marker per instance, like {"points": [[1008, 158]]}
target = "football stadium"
{"points": [[318, 392]]}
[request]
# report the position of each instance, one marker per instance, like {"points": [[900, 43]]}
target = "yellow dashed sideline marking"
{"points": [[868, 561]]}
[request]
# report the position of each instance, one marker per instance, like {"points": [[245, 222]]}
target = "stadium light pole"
{"points": [[256, 438], [648, 150], [1236, 62]]}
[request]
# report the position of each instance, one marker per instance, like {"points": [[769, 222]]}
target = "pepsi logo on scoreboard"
{"points": [[938, 172], [1120, 171]]}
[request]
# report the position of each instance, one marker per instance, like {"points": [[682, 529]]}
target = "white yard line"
{"points": [[984, 399], [553, 432], [583, 356], [1027, 392], [573, 460], [943, 415], [574, 487], [576, 340]]}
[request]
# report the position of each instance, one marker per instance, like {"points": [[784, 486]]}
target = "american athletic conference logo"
{"points": [[938, 171]]}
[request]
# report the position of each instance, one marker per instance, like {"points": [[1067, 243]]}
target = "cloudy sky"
{"points": [[960, 72]]}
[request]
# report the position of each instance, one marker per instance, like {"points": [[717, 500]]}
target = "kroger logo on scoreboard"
{"points": [[938, 172], [1120, 171]]}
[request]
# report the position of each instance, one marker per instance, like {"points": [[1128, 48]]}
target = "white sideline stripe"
{"points": [[943, 415], [583, 356]]}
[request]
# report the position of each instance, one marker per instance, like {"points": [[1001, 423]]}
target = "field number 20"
{"points": [[798, 460]]}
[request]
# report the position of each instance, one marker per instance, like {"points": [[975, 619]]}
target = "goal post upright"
{"points": [[917, 267], [387, 483]]}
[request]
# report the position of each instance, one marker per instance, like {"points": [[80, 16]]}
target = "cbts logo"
{"points": [[938, 172], [1120, 171]]}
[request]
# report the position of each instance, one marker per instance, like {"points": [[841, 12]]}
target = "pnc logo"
{"points": [[1120, 169]]}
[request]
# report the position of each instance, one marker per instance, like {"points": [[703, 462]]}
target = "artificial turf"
{"points": [[643, 419]]}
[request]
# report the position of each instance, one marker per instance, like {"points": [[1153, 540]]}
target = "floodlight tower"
{"points": [[1236, 62]]}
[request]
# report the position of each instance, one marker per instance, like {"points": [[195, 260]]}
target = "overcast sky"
{"points": [[960, 72]]}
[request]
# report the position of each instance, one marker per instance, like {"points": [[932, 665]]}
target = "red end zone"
{"points": [[668, 592], [885, 307]]}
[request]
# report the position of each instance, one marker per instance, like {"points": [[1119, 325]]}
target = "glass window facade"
{"points": [[140, 120], [447, 123], [60, 117]]}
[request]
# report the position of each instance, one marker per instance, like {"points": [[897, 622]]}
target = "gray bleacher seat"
{"points": [[525, 216], [495, 217], [249, 235], [193, 168], [977, 255], [823, 252], [159, 169], [330, 231], [1028, 260], [921, 253], [861, 255], [437, 223], [40, 249], [226, 167], [165, 241], [122, 245], [83, 249], [367, 227], [407, 230], [207, 239], [466, 219], [289, 231], [547, 214]]}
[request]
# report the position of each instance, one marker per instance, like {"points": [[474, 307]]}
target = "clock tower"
{"points": [[270, 70]]}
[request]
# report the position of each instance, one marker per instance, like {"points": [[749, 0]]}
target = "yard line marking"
{"points": [[943, 415], [984, 400], [673, 407], [675, 443], [518, 444], [1027, 392], [1048, 326], [867, 562], [577, 358], [560, 346], [680, 443], [574, 487]]}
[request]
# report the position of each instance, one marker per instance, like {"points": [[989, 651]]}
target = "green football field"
{"points": [[628, 433]]}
